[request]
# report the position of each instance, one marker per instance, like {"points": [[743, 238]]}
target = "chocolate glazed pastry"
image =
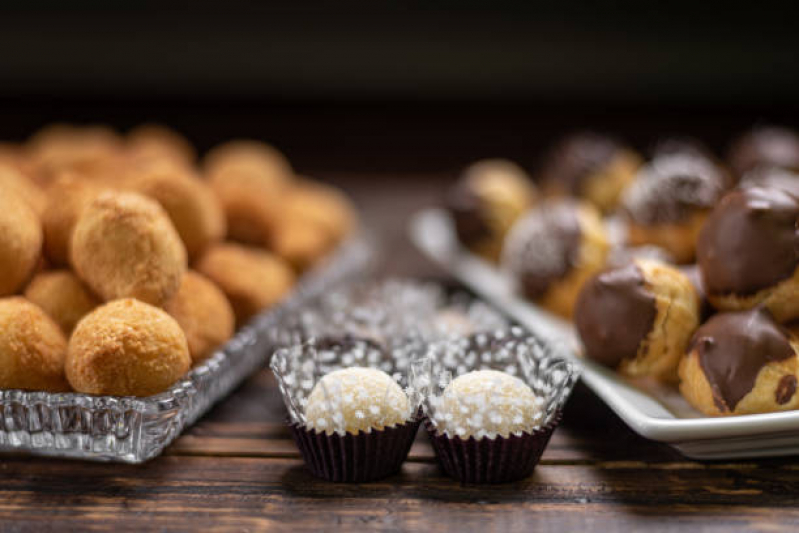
{"points": [[741, 363], [748, 252], [638, 318], [615, 312], [765, 147]]}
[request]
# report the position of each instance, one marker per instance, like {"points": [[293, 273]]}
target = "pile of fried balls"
{"points": [[124, 260]]}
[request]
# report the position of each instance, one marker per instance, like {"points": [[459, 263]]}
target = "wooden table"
{"points": [[238, 469]]}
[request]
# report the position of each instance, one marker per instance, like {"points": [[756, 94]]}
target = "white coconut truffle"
{"points": [[487, 403], [356, 399]]}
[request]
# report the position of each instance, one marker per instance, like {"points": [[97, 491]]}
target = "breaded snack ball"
{"points": [[156, 142], [20, 241], [124, 245], [190, 203], [741, 363], [669, 201], [204, 314], [14, 180], [356, 399], [62, 296], [487, 199], [92, 151], [126, 348], [553, 250], [252, 279], [638, 318], [302, 245], [249, 178], [32, 348], [66, 198], [591, 166], [487, 403], [748, 252]]}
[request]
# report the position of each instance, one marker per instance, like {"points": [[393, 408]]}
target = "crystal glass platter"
{"points": [[133, 430]]}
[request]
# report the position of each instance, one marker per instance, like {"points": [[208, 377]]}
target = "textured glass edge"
{"points": [[133, 430]]}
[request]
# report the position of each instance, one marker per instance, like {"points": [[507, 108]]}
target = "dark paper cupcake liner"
{"points": [[355, 458], [498, 460]]}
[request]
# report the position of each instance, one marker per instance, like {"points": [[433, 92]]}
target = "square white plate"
{"points": [[656, 412]]}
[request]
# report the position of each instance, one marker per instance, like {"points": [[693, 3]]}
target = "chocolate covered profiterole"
{"points": [[485, 202], [741, 363], [638, 318], [747, 252], [591, 166], [669, 200], [553, 250], [765, 146]]}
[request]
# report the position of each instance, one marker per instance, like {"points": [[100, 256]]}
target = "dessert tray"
{"points": [[133, 430], [656, 412]]}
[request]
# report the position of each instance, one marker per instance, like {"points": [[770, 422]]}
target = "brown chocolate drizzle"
{"points": [[615, 312], [749, 242], [734, 347], [785, 389], [576, 158], [544, 246]]}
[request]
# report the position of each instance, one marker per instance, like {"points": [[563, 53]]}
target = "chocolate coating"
{"points": [[734, 347], [749, 242], [577, 157], [468, 213], [765, 147], [543, 246], [615, 312]]}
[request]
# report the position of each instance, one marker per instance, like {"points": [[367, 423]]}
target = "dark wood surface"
{"points": [[237, 468]]}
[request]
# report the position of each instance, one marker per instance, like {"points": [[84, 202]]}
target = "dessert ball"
{"points": [[669, 201], [485, 202], [741, 363], [62, 296], [314, 218], [190, 203], [13, 180], [747, 252], [252, 279], [352, 400], [204, 314], [638, 318], [155, 142], [124, 245], [20, 241], [591, 166], [91, 151], [249, 178], [487, 403], [767, 146], [772, 177], [553, 250], [126, 348], [65, 200], [32, 348]]}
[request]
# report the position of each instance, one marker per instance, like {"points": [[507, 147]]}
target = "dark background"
{"points": [[401, 87]]}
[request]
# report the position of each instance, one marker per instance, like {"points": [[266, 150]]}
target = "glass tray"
{"points": [[133, 430]]}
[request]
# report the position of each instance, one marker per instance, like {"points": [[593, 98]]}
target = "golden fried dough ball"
{"points": [[92, 151], [204, 313], [252, 279], [65, 199], [301, 244], [190, 203], [62, 296], [126, 348], [150, 142], [12, 178], [124, 245], [20, 241], [32, 348], [249, 179]]}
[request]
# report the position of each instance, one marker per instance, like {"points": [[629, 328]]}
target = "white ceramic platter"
{"points": [[656, 412]]}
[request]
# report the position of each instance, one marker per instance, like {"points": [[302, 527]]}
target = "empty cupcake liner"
{"points": [[485, 460], [357, 458]]}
